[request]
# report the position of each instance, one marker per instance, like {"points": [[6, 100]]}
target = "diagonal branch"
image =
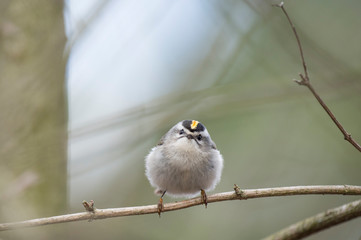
{"points": [[319, 222], [237, 194], [305, 81]]}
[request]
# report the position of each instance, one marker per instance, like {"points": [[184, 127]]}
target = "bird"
{"points": [[185, 162]]}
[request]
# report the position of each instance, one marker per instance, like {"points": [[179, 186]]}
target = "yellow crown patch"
{"points": [[194, 124]]}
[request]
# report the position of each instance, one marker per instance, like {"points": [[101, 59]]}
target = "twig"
{"points": [[305, 81], [237, 194], [319, 222], [89, 206]]}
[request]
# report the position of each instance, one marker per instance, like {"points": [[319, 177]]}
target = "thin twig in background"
{"points": [[319, 222], [237, 194], [305, 81]]}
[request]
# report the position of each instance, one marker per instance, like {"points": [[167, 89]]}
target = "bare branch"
{"points": [[237, 194], [319, 222], [305, 81]]}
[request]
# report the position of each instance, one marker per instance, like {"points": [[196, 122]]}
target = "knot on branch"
{"points": [[347, 137], [305, 81], [238, 191], [89, 206]]}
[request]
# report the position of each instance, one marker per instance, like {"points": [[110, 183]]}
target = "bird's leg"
{"points": [[204, 197], [160, 204]]}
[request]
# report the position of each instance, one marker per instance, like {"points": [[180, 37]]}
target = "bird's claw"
{"points": [[204, 198], [160, 206]]}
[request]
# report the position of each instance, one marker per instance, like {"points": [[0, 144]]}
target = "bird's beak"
{"points": [[189, 136]]}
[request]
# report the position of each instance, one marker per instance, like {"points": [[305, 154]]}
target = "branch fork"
{"points": [[305, 81]]}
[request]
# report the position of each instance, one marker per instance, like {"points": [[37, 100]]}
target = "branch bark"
{"points": [[305, 81], [319, 222], [237, 194]]}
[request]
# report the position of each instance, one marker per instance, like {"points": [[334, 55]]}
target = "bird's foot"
{"points": [[160, 206], [160, 203], [204, 198]]}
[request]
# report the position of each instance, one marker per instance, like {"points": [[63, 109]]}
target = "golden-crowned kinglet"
{"points": [[184, 163]]}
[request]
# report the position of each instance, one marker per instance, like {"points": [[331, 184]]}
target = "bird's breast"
{"points": [[185, 154]]}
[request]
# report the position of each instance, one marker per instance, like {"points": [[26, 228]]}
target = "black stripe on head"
{"points": [[193, 125]]}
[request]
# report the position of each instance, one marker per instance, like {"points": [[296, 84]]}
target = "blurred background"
{"points": [[87, 88]]}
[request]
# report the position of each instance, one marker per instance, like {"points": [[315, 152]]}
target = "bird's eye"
{"points": [[181, 131], [199, 137]]}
